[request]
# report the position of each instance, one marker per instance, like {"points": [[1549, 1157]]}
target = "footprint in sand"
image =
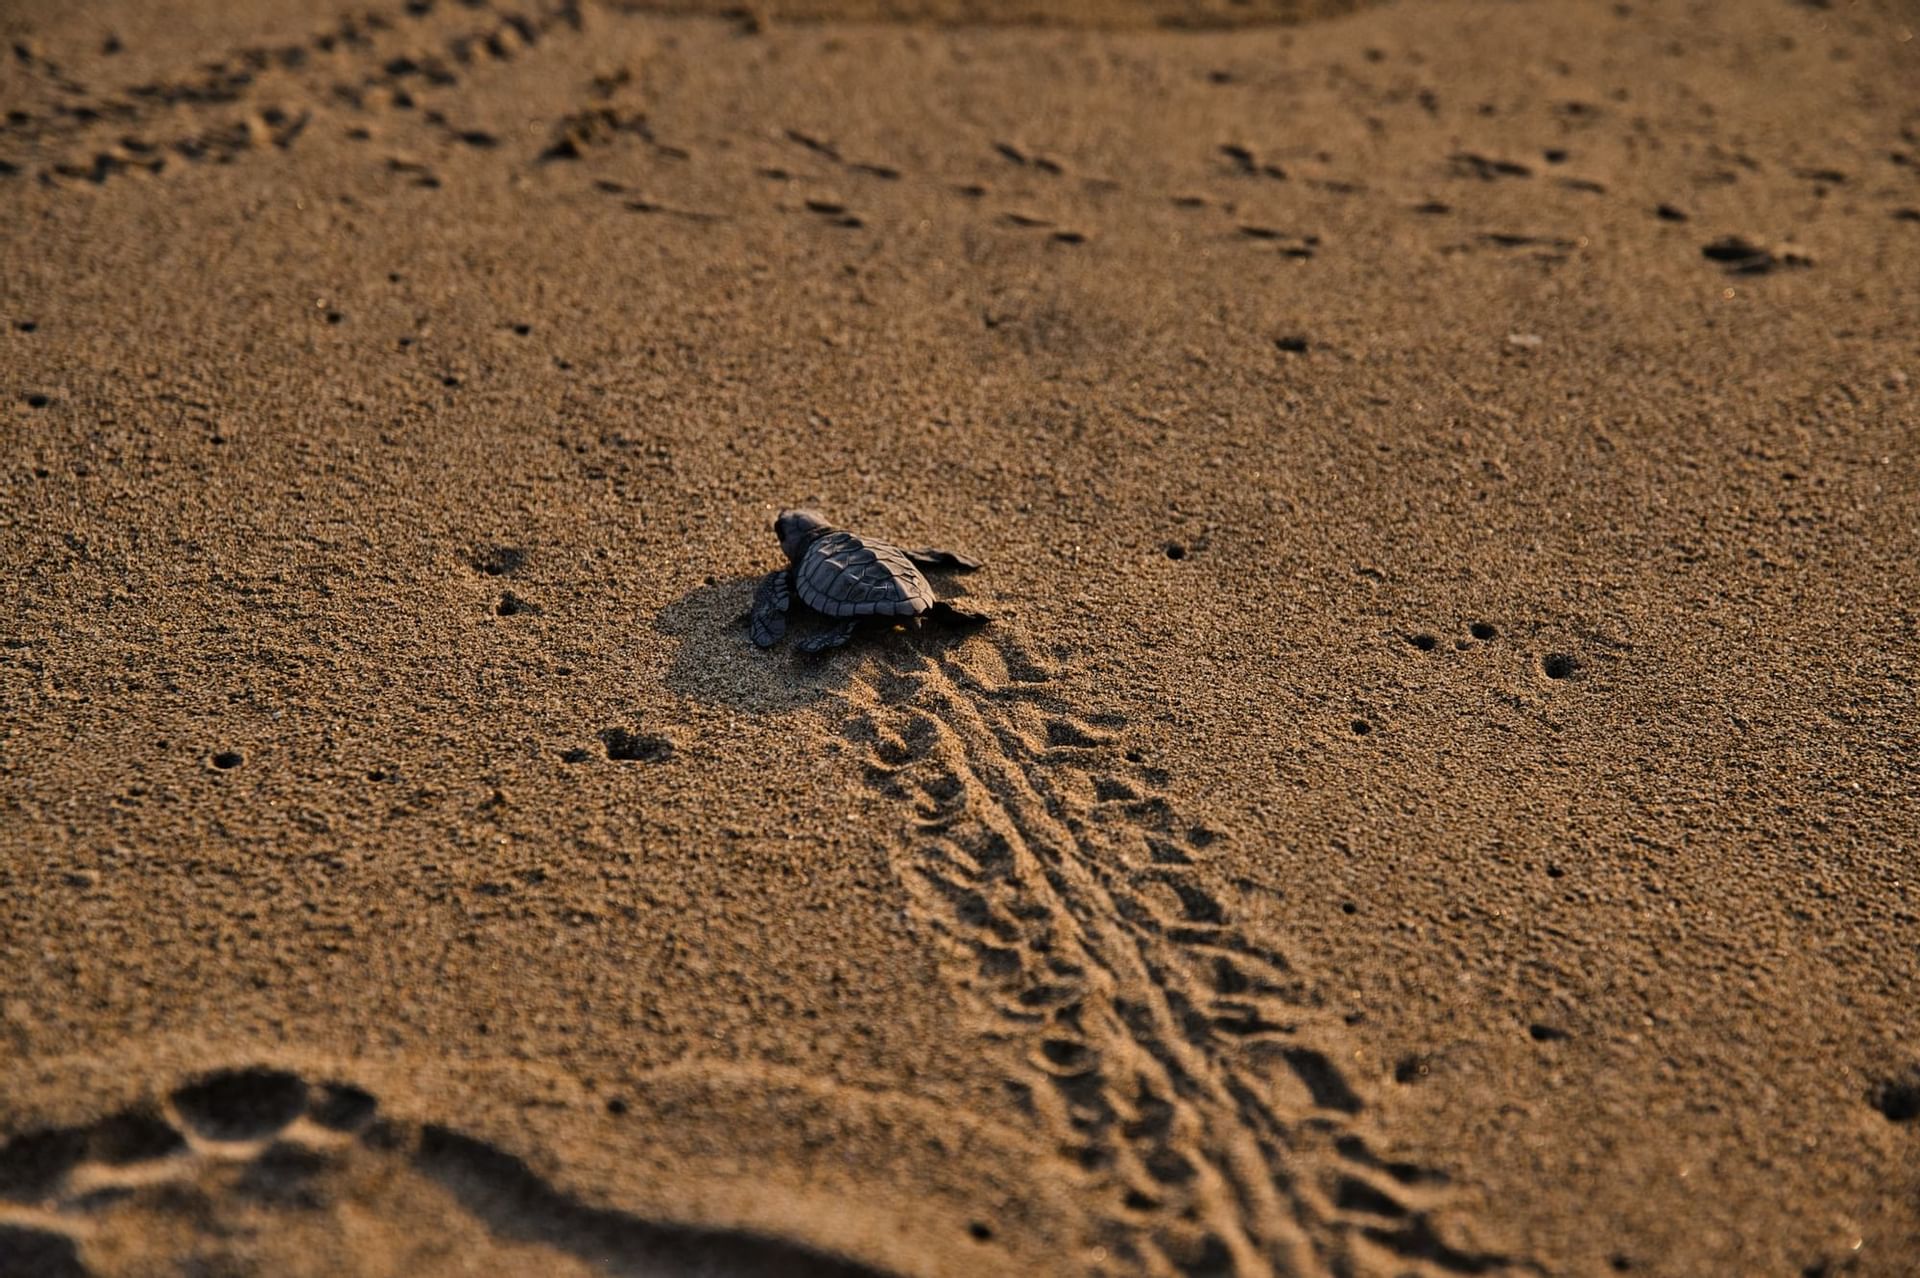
{"points": [[261, 1171]]}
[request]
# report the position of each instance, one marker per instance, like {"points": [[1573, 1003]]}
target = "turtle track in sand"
{"points": [[245, 1170], [1184, 1066]]}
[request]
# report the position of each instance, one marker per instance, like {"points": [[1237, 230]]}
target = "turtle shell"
{"points": [[845, 575]]}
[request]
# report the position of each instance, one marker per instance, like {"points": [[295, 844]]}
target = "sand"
{"points": [[1438, 795]]}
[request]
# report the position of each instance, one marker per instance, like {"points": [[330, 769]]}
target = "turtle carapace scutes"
{"points": [[847, 578]]}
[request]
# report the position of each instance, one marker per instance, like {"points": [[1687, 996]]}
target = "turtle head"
{"points": [[798, 529]]}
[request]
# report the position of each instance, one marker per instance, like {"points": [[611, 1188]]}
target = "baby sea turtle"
{"points": [[848, 578]]}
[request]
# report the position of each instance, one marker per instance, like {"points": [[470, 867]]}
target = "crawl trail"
{"points": [[1172, 1056]]}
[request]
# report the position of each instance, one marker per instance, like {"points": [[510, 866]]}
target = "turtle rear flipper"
{"points": [[946, 614], [942, 560], [832, 637], [770, 603]]}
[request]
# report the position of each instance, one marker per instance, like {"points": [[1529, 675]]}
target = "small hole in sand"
{"points": [[26, 326], [1066, 1053], [1546, 1033], [521, 330], [636, 747], [1898, 1101], [1176, 551], [1424, 642], [980, 1232], [335, 317], [499, 561], [1361, 727], [1558, 665], [1482, 630], [616, 1106], [37, 400], [1348, 907], [228, 759]]}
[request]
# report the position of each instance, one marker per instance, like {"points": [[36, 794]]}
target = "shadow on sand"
{"points": [[716, 664], [503, 1191]]}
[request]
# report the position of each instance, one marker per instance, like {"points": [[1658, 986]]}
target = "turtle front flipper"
{"points": [[942, 560], [832, 637], [770, 603]]}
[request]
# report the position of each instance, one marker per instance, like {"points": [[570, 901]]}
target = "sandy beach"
{"points": [[1438, 793]]}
